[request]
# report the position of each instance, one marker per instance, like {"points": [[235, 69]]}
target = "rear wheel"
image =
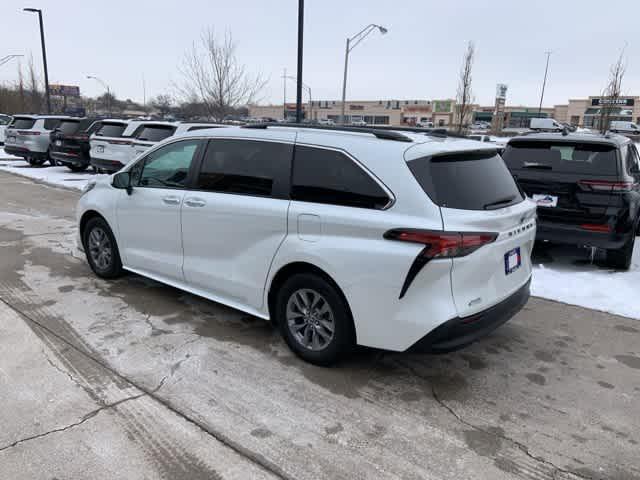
{"points": [[620, 259], [35, 161], [314, 319], [101, 249]]}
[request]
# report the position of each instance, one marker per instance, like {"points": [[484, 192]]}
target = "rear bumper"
{"points": [[109, 165], [69, 158], [574, 235], [23, 152], [462, 331]]}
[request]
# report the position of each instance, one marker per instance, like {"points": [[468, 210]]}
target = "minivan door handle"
{"points": [[171, 200], [195, 202]]}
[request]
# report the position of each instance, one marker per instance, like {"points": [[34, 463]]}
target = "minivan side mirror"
{"points": [[122, 180]]}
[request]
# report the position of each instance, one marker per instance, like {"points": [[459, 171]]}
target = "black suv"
{"points": [[70, 142], [586, 187]]}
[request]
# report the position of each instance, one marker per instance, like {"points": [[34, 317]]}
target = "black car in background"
{"points": [[70, 142], [587, 188]]}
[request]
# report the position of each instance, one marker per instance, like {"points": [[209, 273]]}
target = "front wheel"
{"points": [[620, 259], [101, 249], [314, 319]]}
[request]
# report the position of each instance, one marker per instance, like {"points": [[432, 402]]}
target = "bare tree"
{"points": [[464, 96], [213, 75], [163, 102], [35, 96], [610, 99], [20, 86]]}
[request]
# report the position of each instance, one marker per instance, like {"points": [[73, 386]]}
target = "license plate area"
{"points": [[512, 261], [545, 200], [100, 149]]}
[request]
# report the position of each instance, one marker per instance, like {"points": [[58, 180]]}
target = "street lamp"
{"points": [[544, 83], [44, 55], [104, 84], [4, 60], [351, 44], [308, 88]]}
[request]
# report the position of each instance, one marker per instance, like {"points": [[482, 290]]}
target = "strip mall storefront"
{"points": [[587, 112]]}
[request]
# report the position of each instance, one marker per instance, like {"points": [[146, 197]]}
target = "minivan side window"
{"points": [[51, 123], [633, 161], [330, 177], [246, 167], [166, 167]]}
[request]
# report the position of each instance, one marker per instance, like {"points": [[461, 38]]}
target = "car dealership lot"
{"points": [[144, 378]]}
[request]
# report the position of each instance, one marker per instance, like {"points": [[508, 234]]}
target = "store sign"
{"points": [[64, 90], [618, 102]]}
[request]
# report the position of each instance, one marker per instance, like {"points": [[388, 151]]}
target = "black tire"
{"points": [[35, 161], [341, 341], [77, 168], [108, 269], [52, 162], [620, 259]]}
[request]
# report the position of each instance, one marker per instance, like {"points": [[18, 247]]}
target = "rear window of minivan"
{"points": [[562, 157], [112, 129], [466, 180], [155, 133], [23, 123]]}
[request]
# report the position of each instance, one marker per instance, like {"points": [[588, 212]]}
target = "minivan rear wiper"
{"points": [[499, 202]]}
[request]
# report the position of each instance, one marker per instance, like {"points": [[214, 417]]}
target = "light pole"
{"points": [[308, 88], [44, 55], [351, 44], [299, 75], [544, 83], [104, 84], [4, 60]]}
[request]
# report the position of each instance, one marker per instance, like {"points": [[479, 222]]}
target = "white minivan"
{"points": [[388, 239], [624, 127], [546, 124]]}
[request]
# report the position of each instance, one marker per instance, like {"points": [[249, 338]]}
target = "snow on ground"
{"points": [[566, 274], [561, 273], [59, 176]]}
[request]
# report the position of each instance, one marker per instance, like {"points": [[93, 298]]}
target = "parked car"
{"points": [[624, 128], [546, 124], [424, 124], [480, 138], [28, 136], [380, 238], [70, 142], [586, 187], [111, 144], [5, 120], [149, 134], [358, 123], [326, 121], [479, 126]]}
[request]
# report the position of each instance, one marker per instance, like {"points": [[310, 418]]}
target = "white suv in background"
{"points": [[29, 137], [110, 154], [395, 240], [5, 120]]}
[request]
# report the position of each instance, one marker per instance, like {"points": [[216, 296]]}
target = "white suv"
{"points": [[340, 236]]}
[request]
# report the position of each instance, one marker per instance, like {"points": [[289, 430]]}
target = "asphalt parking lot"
{"points": [[132, 379]]}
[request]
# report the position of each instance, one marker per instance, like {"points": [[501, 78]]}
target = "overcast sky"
{"points": [[420, 57]]}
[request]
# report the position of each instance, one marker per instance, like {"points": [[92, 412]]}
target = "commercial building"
{"points": [[444, 113]]}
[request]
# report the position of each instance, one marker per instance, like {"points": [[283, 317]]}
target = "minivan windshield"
{"points": [[467, 181], [562, 157]]}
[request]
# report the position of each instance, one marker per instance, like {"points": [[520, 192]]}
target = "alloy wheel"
{"points": [[100, 248], [310, 319]]}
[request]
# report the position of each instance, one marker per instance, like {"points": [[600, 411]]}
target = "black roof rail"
{"points": [[436, 132], [378, 133]]}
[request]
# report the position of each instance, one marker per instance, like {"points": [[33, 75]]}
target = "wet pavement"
{"points": [[133, 379]]}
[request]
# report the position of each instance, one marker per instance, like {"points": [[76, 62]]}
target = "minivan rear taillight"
{"points": [[442, 244], [606, 186], [437, 244]]}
